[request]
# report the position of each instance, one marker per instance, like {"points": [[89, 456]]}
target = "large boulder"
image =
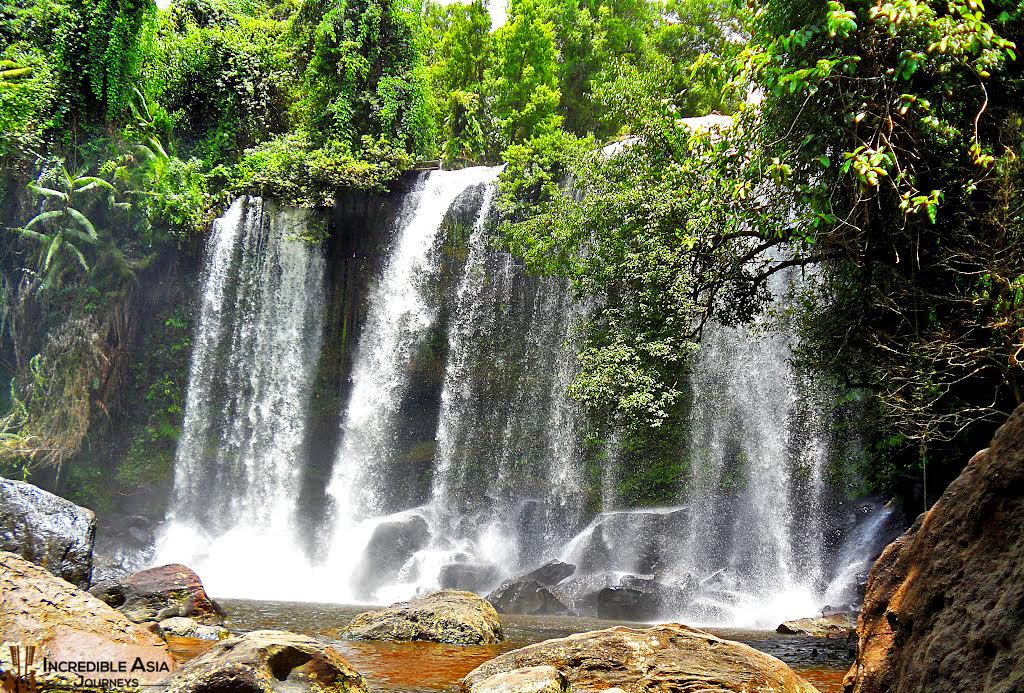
{"points": [[37, 608], [551, 573], [667, 658], [265, 661], [47, 530], [391, 545], [160, 593], [529, 597], [534, 593], [943, 609], [542, 679], [450, 616]]}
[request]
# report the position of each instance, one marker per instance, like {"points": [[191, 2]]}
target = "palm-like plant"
{"points": [[147, 128], [63, 230]]}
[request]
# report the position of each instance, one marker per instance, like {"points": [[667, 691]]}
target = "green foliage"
{"points": [[163, 377], [522, 82], [591, 36], [457, 43], [463, 134], [115, 41], [362, 74], [223, 80], [290, 169], [62, 230], [641, 230], [28, 90]]}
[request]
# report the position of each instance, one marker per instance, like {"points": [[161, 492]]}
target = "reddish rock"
{"points": [[944, 608], [37, 608], [265, 661], [157, 594]]}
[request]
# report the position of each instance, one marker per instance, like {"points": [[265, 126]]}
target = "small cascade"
{"points": [[238, 465]]}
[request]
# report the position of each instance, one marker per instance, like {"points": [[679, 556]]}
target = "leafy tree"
{"points": [[522, 81], [363, 74], [885, 151], [590, 35], [897, 126], [462, 50]]}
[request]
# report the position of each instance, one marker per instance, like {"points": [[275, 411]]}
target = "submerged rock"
{"points": [[47, 530], [265, 661], [187, 628], [667, 658], [450, 616], [160, 593], [529, 597], [71, 625], [839, 624], [943, 605], [626, 604]]}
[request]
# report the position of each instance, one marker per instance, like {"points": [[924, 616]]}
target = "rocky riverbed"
{"points": [[422, 667]]}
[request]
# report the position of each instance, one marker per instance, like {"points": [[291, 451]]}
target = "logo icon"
{"points": [[18, 679]]}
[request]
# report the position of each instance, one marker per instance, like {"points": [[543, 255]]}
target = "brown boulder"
{"points": [[37, 608], [666, 658], [265, 661], [944, 608], [160, 593], [450, 616], [839, 624]]}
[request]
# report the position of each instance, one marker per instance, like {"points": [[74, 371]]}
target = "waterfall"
{"points": [[506, 418], [399, 315], [754, 540], [507, 482], [238, 464], [466, 356]]}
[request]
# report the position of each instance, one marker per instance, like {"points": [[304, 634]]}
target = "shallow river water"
{"points": [[418, 667]]}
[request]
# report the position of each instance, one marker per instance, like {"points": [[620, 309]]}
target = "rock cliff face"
{"points": [[668, 658], [944, 608], [70, 625], [47, 530]]}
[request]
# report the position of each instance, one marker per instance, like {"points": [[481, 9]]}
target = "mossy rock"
{"points": [[448, 616]]}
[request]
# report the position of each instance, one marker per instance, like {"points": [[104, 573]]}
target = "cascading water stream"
{"points": [[755, 532], [257, 342], [398, 318]]}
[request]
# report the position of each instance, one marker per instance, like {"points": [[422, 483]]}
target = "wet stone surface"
{"points": [[420, 667]]}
